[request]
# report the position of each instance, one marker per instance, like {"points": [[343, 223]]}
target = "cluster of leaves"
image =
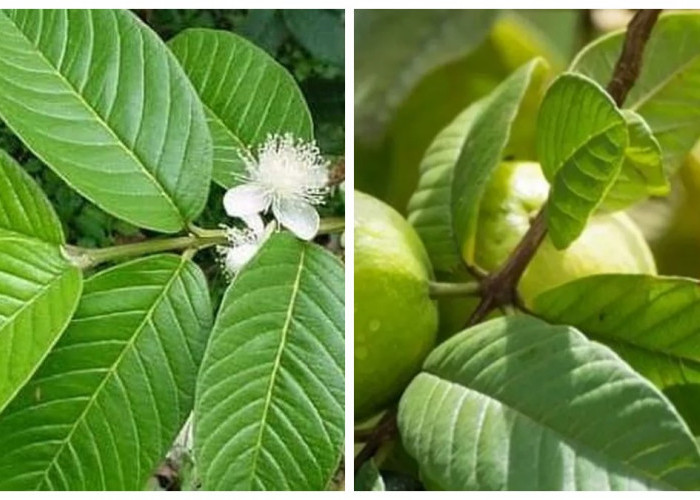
{"points": [[309, 43], [597, 388], [100, 372]]}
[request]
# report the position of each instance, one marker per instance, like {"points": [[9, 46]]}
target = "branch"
{"points": [[384, 431], [499, 288], [630, 62]]}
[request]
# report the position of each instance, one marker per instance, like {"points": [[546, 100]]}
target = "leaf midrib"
{"points": [[111, 371], [276, 365], [119, 141]]}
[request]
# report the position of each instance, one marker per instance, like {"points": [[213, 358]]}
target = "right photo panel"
{"points": [[526, 242]]}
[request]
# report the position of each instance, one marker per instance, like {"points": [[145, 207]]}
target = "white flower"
{"points": [[242, 246], [290, 176]]}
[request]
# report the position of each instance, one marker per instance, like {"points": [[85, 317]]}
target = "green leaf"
{"points": [[581, 141], [518, 404], [652, 322], [642, 173], [454, 185], [269, 411], [39, 291], [108, 401], [368, 478], [246, 93], [24, 209], [667, 92], [99, 98], [395, 49]]}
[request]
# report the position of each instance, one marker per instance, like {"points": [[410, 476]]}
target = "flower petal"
{"points": [[246, 199], [254, 222], [237, 257], [298, 216]]}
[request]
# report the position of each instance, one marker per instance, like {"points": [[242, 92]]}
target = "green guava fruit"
{"points": [[395, 319], [611, 242]]}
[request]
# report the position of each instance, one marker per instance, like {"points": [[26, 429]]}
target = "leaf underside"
{"points": [[108, 401], [581, 142], [518, 404], [269, 413]]}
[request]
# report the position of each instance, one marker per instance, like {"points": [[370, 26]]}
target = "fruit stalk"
{"points": [[499, 288]]}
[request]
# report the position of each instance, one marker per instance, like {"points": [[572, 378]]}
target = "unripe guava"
{"points": [[611, 243], [395, 319]]}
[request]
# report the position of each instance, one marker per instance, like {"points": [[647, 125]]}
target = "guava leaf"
{"points": [[269, 413], [667, 91], [39, 288], [246, 93], [395, 49], [98, 97], [652, 322], [39, 291], [368, 478], [518, 404], [581, 142], [24, 209], [453, 179], [642, 173], [105, 406]]}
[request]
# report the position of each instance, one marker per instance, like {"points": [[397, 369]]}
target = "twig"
{"points": [[499, 288], [630, 62], [384, 431]]}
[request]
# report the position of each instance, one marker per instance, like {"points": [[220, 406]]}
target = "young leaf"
{"points": [[24, 209], [518, 404], [581, 141], [667, 92], [369, 478], [108, 401], [458, 164], [642, 173], [482, 151], [652, 322], [39, 291], [395, 49], [246, 93], [99, 98], [269, 411]]}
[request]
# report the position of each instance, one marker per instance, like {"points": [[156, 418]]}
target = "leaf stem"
{"points": [[439, 289], [198, 239]]}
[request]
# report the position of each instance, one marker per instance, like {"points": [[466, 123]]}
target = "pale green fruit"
{"points": [[611, 243], [395, 319]]}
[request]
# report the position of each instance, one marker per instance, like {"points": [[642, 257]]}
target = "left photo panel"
{"points": [[172, 263]]}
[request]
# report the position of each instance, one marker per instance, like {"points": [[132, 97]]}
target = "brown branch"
{"points": [[499, 288], [384, 431], [337, 174], [629, 63]]}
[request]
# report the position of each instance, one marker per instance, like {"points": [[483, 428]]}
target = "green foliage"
{"points": [[98, 376], [666, 93], [494, 393], [592, 385], [270, 397], [109, 400], [242, 107], [113, 146], [651, 322], [581, 142]]}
